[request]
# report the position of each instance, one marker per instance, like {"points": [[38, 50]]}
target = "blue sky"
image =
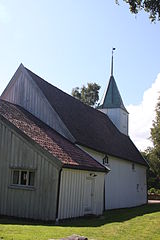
{"points": [[69, 42]]}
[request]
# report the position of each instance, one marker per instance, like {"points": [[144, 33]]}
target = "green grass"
{"points": [[134, 223]]}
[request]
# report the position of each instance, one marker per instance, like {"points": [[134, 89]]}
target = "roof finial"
{"points": [[112, 61]]}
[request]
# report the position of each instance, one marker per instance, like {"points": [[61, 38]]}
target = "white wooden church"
{"points": [[60, 158]]}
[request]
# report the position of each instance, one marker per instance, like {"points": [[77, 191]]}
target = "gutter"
{"points": [[87, 168]]}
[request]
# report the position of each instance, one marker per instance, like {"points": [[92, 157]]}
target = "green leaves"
{"points": [[88, 95], [153, 154], [150, 6]]}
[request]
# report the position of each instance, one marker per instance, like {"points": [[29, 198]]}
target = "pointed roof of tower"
{"points": [[112, 97]]}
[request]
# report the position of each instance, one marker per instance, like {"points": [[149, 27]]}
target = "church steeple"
{"points": [[112, 104], [112, 97]]}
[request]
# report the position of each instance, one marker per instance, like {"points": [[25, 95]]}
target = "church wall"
{"points": [[23, 91], [124, 186], [36, 200]]}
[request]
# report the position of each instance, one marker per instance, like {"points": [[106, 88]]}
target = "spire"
{"points": [[112, 104], [112, 97], [112, 62]]}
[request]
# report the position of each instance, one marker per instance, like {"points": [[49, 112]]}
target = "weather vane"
{"points": [[113, 49]]}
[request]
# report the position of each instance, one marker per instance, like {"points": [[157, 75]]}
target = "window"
{"points": [[23, 177], [133, 167]]}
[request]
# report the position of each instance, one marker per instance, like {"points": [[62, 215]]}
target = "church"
{"points": [[60, 158]]}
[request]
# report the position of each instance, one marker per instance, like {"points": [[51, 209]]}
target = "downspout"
{"points": [[104, 196], [58, 193], [105, 180]]}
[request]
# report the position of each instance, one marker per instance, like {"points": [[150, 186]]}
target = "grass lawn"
{"points": [[134, 223]]}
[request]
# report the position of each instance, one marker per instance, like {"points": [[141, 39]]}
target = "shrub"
{"points": [[153, 190], [158, 191]]}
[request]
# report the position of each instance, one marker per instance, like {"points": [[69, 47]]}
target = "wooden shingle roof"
{"points": [[47, 138], [90, 127]]}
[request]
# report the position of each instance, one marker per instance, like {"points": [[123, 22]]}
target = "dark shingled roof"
{"points": [[90, 127], [69, 154]]}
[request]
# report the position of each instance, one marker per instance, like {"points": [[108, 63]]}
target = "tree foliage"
{"points": [[88, 95], [150, 6], [153, 180], [155, 136], [153, 154]]}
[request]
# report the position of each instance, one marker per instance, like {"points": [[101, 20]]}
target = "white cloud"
{"points": [[4, 15], [141, 116]]}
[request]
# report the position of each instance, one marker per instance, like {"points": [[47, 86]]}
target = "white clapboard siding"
{"points": [[23, 91], [37, 203], [124, 187], [73, 190]]}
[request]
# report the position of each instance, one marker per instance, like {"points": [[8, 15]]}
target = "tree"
{"points": [[88, 95], [153, 180], [155, 137], [150, 6], [153, 154]]}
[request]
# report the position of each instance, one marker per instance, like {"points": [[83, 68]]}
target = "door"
{"points": [[88, 196]]}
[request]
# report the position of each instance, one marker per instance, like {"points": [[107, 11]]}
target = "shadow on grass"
{"points": [[110, 216]]}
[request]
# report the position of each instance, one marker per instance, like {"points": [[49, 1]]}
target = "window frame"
{"points": [[19, 182], [133, 167]]}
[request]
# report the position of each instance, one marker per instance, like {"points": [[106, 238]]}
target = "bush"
{"points": [[158, 191], [154, 191]]}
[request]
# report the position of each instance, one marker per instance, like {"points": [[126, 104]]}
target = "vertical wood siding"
{"points": [[16, 152], [121, 182], [23, 91], [72, 190]]}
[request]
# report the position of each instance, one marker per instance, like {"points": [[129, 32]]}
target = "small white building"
{"points": [[65, 159]]}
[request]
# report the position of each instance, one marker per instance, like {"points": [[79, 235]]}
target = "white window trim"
{"points": [[19, 185]]}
